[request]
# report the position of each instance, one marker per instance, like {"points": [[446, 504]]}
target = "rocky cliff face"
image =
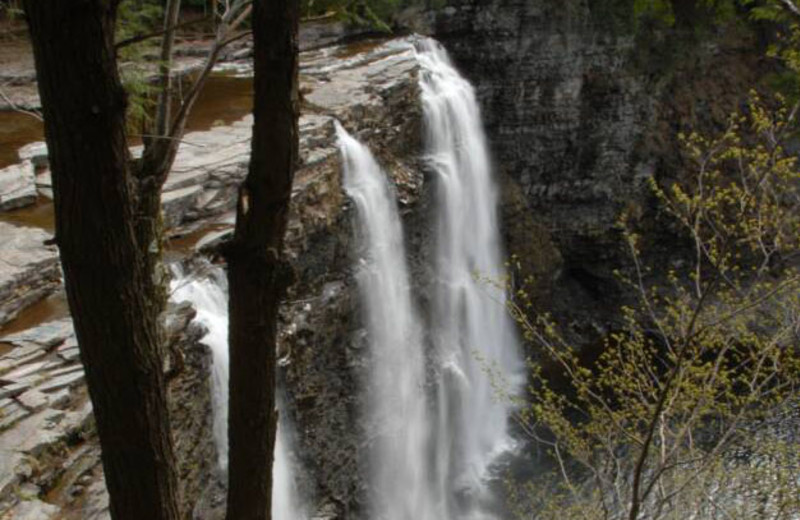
{"points": [[583, 104], [50, 455], [371, 88]]}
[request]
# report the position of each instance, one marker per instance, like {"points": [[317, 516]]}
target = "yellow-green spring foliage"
{"points": [[689, 410]]}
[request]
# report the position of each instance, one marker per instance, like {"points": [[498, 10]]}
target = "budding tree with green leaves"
{"points": [[690, 409]]}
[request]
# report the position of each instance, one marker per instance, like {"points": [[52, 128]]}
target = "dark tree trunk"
{"points": [[256, 280], [685, 12], [109, 286]]}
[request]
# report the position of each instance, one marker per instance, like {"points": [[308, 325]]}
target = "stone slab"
{"points": [[14, 389], [66, 370], [17, 186], [35, 153], [65, 381], [47, 335], [33, 399], [29, 269]]}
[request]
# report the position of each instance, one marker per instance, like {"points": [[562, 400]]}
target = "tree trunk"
{"points": [[256, 280], [685, 12], [109, 286]]}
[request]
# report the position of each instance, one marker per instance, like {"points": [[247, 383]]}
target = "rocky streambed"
{"points": [[50, 456]]}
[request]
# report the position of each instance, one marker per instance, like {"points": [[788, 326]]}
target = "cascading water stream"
{"points": [[474, 338], [397, 403], [209, 296], [431, 456]]}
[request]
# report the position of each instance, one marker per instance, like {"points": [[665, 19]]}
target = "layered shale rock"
{"points": [[29, 269], [583, 104], [17, 186], [50, 464]]}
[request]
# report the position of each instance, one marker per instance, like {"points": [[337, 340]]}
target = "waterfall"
{"points": [[396, 392], [436, 435], [474, 338], [209, 296]]}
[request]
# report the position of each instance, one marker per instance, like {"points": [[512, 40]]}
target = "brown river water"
{"points": [[224, 99]]}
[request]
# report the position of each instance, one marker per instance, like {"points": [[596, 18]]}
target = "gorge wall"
{"points": [[582, 104]]}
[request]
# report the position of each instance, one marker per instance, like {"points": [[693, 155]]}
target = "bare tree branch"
{"points": [[159, 154], [236, 37], [791, 7], [28, 112], [165, 65], [146, 36]]}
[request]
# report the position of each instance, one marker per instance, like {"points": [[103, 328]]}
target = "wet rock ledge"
{"points": [[29, 269], [49, 454]]}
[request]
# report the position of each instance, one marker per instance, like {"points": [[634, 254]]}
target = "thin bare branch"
{"points": [[159, 155], [236, 37], [165, 67], [791, 7], [28, 112], [133, 40]]}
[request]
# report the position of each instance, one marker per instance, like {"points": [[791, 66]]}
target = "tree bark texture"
{"points": [[686, 12], [109, 286], [256, 278]]}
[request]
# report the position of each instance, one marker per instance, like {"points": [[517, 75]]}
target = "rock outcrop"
{"points": [[50, 464], [374, 93], [583, 104], [375, 96], [29, 269], [17, 186]]}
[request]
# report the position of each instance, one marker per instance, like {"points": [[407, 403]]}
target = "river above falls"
{"points": [[225, 98]]}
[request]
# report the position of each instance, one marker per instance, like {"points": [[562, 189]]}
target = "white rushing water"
{"points": [[437, 431], [396, 393], [209, 296], [474, 337]]}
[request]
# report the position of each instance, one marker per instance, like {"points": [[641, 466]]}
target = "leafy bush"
{"points": [[697, 394]]}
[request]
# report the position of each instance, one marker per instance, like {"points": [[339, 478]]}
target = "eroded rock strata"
{"points": [[583, 104], [372, 90]]}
